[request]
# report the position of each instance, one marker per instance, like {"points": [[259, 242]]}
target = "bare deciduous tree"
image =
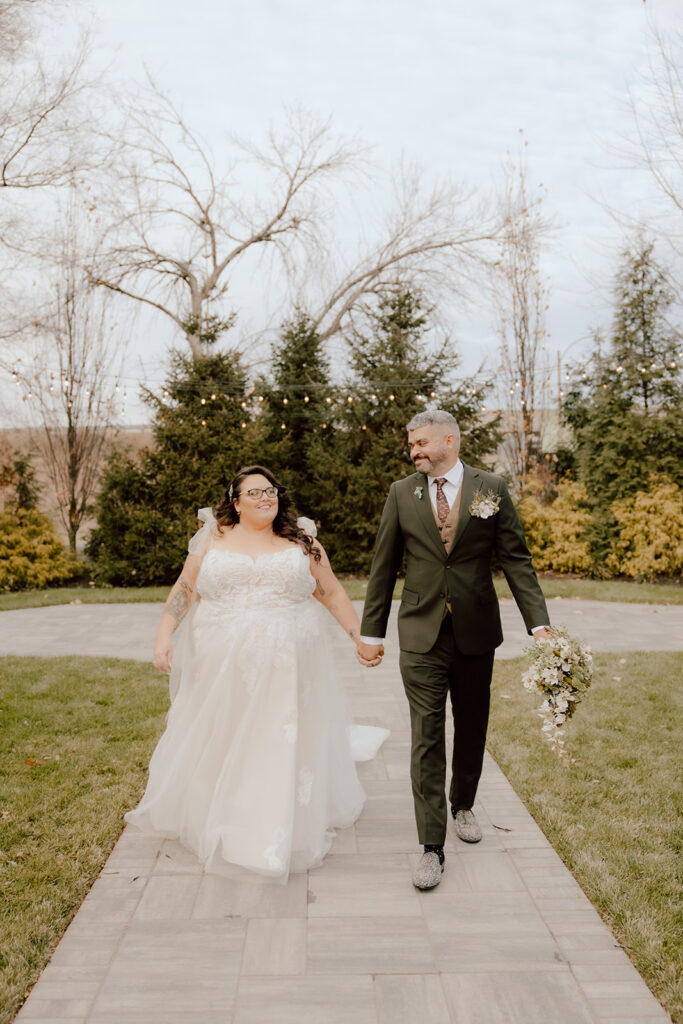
{"points": [[659, 124], [520, 297], [180, 230], [68, 376], [42, 121], [432, 236]]}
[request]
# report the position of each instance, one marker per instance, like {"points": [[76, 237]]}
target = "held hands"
{"points": [[163, 655], [369, 655]]}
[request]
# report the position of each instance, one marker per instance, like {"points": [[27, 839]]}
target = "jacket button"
{"points": [[442, 595]]}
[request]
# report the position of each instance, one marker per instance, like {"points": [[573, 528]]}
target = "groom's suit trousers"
{"points": [[429, 679]]}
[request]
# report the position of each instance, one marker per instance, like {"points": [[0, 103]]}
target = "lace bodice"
{"points": [[233, 580]]}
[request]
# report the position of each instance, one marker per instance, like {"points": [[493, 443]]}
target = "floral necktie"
{"points": [[442, 506]]}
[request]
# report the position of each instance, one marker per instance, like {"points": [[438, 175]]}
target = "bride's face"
{"points": [[259, 507]]}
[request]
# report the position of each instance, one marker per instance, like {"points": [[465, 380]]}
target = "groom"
{"points": [[448, 520]]}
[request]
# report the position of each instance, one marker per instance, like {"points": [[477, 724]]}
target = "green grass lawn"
{"points": [[613, 811], [76, 735], [593, 590]]}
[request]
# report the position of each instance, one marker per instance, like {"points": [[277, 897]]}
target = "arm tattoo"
{"points": [[321, 589], [353, 633], [177, 606], [185, 585]]}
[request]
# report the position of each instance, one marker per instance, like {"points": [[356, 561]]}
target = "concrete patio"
{"points": [[507, 938]]}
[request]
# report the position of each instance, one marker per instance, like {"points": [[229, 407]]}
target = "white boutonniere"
{"points": [[484, 505], [418, 493]]}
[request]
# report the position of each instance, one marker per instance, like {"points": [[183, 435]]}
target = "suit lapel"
{"points": [[470, 481], [425, 512]]}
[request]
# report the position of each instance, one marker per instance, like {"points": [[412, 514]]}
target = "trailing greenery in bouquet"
{"points": [[561, 669]]}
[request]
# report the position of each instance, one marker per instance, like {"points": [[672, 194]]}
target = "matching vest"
{"points": [[447, 531]]}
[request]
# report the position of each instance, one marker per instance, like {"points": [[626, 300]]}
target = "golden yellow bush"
{"points": [[650, 538], [31, 554], [555, 533]]}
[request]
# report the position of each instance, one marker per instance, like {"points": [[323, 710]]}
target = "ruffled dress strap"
{"points": [[199, 543], [307, 525]]}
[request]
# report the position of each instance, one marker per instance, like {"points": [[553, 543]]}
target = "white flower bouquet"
{"points": [[561, 669]]}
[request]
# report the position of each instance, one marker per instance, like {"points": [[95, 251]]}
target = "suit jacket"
{"points": [[460, 575]]}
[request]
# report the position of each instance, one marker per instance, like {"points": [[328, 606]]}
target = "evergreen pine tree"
{"points": [[296, 410], [625, 411], [395, 374], [146, 510]]}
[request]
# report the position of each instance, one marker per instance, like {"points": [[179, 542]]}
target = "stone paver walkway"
{"points": [[507, 938], [127, 630]]}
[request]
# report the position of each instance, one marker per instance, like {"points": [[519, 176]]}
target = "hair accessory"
{"points": [[230, 493]]}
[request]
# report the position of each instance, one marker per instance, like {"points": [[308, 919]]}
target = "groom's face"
{"points": [[432, 449]]}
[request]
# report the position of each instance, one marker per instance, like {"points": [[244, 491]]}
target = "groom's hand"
{"points": [[541, 634], [369, 654]]}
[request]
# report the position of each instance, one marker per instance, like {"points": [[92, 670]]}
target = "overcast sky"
{"points": [[440, 82]]}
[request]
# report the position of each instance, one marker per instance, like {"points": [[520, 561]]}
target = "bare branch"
{"points": [[177, 230]]}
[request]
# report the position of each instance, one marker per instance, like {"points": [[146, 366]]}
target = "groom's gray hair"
{"points": [[438, 417]]}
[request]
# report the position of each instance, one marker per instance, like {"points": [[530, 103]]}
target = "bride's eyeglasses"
{"points": [[257, 492]]}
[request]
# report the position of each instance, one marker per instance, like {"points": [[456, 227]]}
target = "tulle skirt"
{"points": [[255, 768]]}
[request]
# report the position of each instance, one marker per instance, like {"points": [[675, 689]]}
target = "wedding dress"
{"points": [[255, 768]]}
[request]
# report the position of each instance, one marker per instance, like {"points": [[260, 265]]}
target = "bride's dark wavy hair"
{"points": [[284, 524]]}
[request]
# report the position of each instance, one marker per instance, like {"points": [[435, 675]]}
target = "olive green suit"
{"points": [[448, 626]]}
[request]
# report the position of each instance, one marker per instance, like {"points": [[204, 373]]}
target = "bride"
{"points": [[255, 768]]}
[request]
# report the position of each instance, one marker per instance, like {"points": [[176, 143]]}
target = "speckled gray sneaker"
{"points": [[466, 827], [427, 874]]}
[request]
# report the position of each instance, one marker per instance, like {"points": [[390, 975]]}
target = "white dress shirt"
{"points": [[451, 486]]}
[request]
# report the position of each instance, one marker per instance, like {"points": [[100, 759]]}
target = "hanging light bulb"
{"points": [[306, 398], [285, 401]]}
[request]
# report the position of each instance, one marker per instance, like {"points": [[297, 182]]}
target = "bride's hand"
{"points": [[369, 655], [163, 655]]}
